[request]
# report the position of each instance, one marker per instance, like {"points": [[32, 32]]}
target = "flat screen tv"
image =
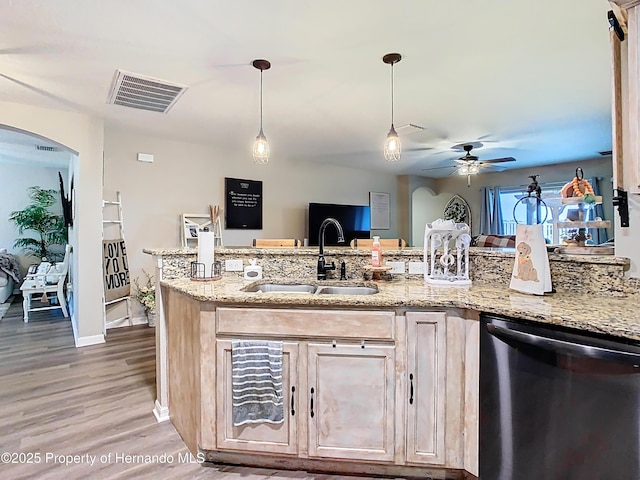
{"points": [[354, 219]]}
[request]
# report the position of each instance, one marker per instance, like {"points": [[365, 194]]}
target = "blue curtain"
{"points": [[490, 211], [599, 235]]}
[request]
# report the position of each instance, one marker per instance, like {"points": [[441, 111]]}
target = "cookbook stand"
{"points": [[446, 253]]}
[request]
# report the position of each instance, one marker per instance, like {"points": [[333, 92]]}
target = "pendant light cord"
{"points": [[392, 94], [261, 100]]}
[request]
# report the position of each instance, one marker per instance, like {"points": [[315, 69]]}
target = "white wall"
{"points": [[14, 195], [187, 178], [83, 134]]}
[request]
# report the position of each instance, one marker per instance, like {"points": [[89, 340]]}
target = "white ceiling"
{"points": [[529, 77]]}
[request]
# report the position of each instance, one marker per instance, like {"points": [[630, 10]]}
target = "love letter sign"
{"points": [[115, 269]]}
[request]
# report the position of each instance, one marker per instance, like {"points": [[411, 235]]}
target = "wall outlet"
{"points": [[233, 265], [396, 267], [416, 268]]}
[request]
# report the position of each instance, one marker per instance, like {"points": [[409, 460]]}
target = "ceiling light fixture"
{"points": [[392, 145], [261, 146]]}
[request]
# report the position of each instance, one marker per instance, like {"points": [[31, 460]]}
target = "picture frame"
{"points": [[243, 204], [458, 210], [191, 225], [379, 206]]}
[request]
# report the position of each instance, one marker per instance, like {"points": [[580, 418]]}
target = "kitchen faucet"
{"points": [[322, 265]]}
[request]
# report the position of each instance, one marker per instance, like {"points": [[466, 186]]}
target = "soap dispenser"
{"points": [[376, 252]]}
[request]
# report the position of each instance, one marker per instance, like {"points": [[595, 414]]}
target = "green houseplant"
{"points": [[39, 217]]}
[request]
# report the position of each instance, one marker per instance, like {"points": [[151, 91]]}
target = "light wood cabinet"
{"points": [[426, 368], [351, 391], [347, 408], [387, 389], [258, 437]]}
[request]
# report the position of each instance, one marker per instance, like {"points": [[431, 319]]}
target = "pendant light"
{"points": [[261, 146], [392, 145]]}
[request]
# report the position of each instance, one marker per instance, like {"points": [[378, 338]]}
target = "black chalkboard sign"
{"points": [[243, 204]]}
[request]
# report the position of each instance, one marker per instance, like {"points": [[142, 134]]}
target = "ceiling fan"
{"points": [[470, 164]]}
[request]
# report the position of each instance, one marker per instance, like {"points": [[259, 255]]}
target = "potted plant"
{"points": [[38, 217], [146, 295]]}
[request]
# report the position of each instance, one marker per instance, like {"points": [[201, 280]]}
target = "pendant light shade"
{"points": [[261, 146], [392, 146]]}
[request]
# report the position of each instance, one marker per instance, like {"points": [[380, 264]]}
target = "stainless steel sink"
{"points": [[346, 290], [310, 289], [280, 288]]}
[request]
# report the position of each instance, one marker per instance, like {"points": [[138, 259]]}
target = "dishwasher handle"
{"points": [[563, 346]]}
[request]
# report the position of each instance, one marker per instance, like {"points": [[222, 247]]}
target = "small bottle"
{"points": [[376, 252]]}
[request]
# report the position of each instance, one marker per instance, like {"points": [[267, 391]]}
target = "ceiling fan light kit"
{"points": [[261, 146], [392, 146]]}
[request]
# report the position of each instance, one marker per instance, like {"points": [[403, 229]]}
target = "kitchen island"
{"points": [[399, 367]]}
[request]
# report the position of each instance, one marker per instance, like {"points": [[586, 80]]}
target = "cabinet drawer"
{"points": [[359, 324]]}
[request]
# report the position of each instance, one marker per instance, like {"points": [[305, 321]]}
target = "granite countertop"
{"points": [[405, 252], [600, 314]]}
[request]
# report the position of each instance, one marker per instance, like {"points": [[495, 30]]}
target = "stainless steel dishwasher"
{"points": [[557, 405]]}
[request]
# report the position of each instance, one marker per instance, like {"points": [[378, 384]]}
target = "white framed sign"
{"points": [[380, 212]]}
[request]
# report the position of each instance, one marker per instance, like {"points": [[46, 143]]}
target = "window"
{"points": [[524, 212]]}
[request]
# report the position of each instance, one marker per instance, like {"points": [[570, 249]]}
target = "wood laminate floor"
{"points": [[68, 413]]}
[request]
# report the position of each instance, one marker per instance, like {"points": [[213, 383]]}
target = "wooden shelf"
{"points": [[586, 250], [580, 201], [589, 224]]}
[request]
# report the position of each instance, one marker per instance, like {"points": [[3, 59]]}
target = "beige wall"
{"points": [[186, 178], [427, 207], [84, 135]]}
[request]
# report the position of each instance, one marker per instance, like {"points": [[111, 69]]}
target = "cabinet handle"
{"points": [[411, 389], [293, 409], [312, 392]]}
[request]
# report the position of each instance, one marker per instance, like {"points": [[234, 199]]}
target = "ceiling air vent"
{"points": [[146, 93], [45, 148]]}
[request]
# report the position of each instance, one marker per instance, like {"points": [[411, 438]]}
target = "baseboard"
{"points": [[124, 322], [161, 413], [74, 326], [90, 340], [84, 341]]}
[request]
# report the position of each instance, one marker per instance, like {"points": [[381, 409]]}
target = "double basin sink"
{"points": [[293, 288]]}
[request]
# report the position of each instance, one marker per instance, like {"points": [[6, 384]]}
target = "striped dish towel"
{"points": [[256, 382]]}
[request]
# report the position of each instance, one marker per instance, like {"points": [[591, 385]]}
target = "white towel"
{"points": [[257, 382], [531, 272]]}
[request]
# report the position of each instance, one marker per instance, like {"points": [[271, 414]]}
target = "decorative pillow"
{"points": [[45, 268], [494, 241]]}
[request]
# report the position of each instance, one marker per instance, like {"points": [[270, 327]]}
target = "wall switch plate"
{"points": [[233, 265], [145, 157], [396, 267], [416, 268]]}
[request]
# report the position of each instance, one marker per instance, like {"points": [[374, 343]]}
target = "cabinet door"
{"points": [[258, 437], [426, 367], [351, 401]]}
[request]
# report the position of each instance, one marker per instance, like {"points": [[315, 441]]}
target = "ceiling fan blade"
{"points": [[499, 160], [31, 49], [418, 149], [439, 168]]}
